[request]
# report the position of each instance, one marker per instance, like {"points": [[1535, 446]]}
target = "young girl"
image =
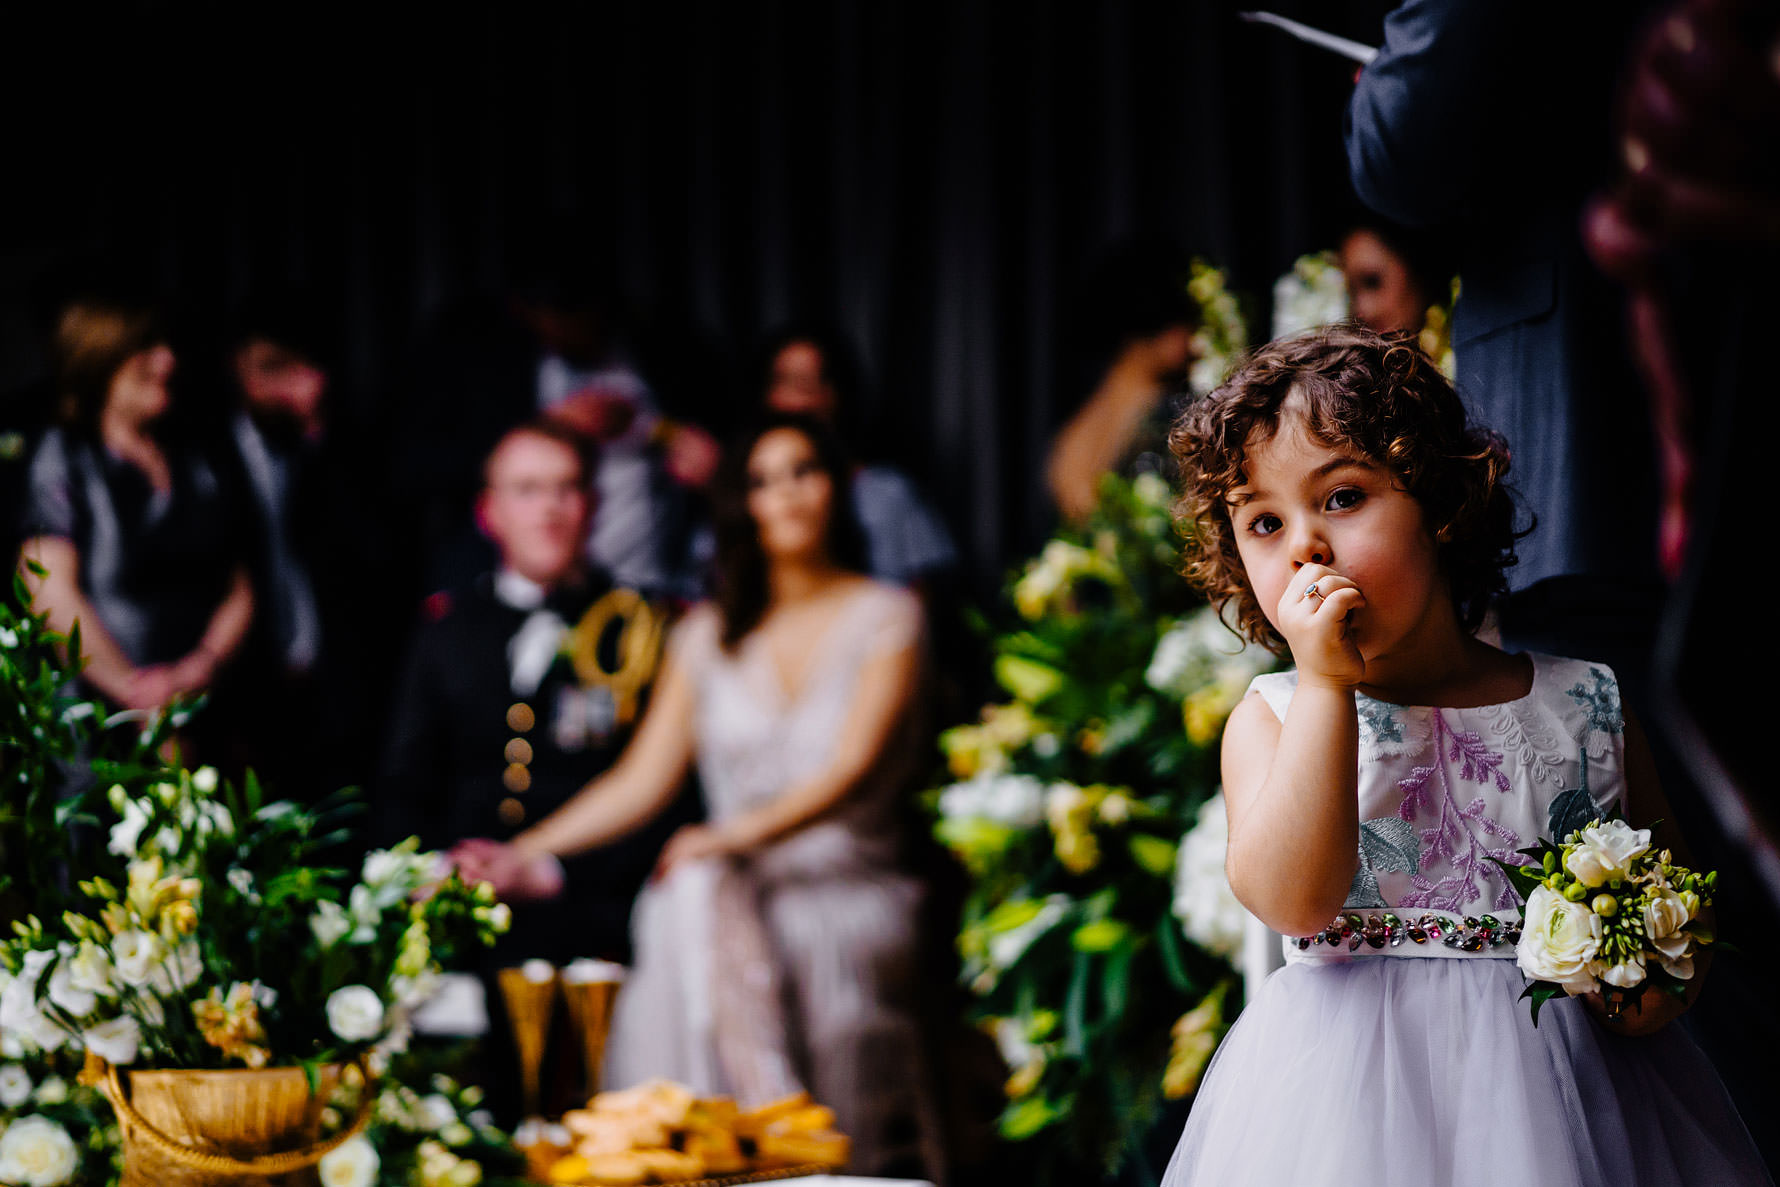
{"points": [[1346, 510]]}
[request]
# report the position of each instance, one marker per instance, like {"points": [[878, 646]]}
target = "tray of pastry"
{"points": [[661, 1133]]}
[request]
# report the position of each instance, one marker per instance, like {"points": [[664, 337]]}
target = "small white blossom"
{"points": [[53, 1091], [15, 1085], [355, 1013], [1605, 852], [126, 834], [1016, 801], [136, 953], [353, 1163], [115, 1041], [329, 924], [204, 780]]}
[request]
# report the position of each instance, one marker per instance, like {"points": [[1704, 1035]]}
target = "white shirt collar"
{"points": [[519, 592]]}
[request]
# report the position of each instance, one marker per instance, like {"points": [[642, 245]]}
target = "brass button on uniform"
{"points": [[520, 717], [519, 751], [516, 778], [512, 812]]}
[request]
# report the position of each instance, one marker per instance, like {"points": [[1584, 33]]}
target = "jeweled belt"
{"points": [[1383, 930]]}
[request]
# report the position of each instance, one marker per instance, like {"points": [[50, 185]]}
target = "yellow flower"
{"points": [[1025, 1078], [1195, 1037], [232, 1025]]}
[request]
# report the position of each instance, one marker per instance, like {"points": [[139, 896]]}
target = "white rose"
{"points": [[127, 833], [1664, 917], [1605, 852], [204, 780], [355, 1013], [36, 1152], [329, 924], [353, 1163], [1558, 940], [15, 1085], [115, 1040], [53, 1091], [136, 953]]}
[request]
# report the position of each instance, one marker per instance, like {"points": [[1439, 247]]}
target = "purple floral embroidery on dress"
{"points": [[1455, 842]]}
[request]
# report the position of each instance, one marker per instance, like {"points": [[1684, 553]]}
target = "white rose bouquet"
{"points": [[1604, 913]]}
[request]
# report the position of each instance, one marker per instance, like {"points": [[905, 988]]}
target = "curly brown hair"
{"points": [[1380, 396]]}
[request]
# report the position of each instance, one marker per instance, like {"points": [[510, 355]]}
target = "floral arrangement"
{"points": [[1222, 336], [441, 1137], [1094, 943], [1312, 294], [1605, 914], [162, 917]]}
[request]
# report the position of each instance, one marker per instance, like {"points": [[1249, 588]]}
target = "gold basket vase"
{"points": [[236, 1128]]}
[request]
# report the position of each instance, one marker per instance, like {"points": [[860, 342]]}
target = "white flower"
{"points": [[179, 971], [204, 780], [8, 637], [353, 1163], [355, 1013], [126, 834], [1664, 917], [214, 818], [1313, 293], [1605, 852], [329, 924], [1559, 940], [242, 881], [115, 1040], [366, 913], [1207, 909], [15, 1085], [1623, 976], [500, 917], [53, 1091], [89, 969], [1016, 801], [1017, 1050], [436, 1111], [36, 1152], [136, 954], [1202, 649], [19, 1012]]}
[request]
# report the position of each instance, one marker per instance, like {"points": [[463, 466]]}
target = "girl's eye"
{"points": [[1346, 498], [1264, 524]]}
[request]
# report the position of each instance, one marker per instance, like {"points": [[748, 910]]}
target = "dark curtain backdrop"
{"points": [[935, 177]]}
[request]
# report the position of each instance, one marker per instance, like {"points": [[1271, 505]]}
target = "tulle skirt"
{"points": [[1406, 1071]]}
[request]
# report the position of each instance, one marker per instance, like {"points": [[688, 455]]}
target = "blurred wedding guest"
{"points": [[319, 543], [1393, 276], [811, 370], [1434, 140], [777, 949], [520, 687], [1143, 320], [135, 524], [558, 348]]}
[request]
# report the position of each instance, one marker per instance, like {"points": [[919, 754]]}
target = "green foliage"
{"points": [[1068, 804]]}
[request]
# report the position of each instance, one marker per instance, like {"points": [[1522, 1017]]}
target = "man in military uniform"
{"points": [[520, 689]]}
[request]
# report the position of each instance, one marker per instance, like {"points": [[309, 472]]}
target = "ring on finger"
{"points": [[1310, 591]]}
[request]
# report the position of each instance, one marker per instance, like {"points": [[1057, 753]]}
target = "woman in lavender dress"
{"points": [[776, 950]]}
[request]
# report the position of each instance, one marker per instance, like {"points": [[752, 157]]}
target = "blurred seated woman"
{"points": [[811, 370], [1394, 276], [135, 528], [776, 950]]}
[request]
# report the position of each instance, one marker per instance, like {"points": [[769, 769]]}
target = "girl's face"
{"points": [[790, 495], [797, 383], [139, 391], [1308, 503]]}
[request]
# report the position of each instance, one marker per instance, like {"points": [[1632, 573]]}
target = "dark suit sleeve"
{"points": [[411, 785], [1428, 112]]}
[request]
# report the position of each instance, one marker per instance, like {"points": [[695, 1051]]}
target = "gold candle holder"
{"points": [[530, 994], [591, 988]]}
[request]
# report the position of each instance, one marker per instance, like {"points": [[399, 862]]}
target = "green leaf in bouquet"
{"points": [[1075, 1006], [1153, 855], [1027, 679], [1101, 935], [1026, 1117], [1522, 878], [1174, 958], [1541, 992]]}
